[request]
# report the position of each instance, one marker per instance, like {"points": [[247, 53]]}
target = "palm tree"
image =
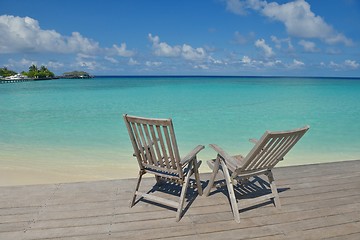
{"points": [[43, 69], [33, 68]]}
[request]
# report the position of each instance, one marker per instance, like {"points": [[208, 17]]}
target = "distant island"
{"points": [[35, 73], [77, 75]]}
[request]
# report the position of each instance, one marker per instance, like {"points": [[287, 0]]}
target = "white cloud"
{"points": [[162, 48], [338, 38], [297, 17], [215, 61], [272, 63], [236, 6], [133, 62], [75, 43], [27, 62], [346, 65], [201, 66], [186, 51], [278, 42], [246, 60], [192, 54], [91, 65], [55, 65], [351, 64], [86, 56], [111, 59], [122, 51], [297, 64], [308, 46], [260, 43], [22, 64], [153, 64], [334, 65], [25, 35], [86, 61]]}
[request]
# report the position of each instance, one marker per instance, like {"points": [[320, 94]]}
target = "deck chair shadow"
{"points": [[156, 151], [237, 170]]}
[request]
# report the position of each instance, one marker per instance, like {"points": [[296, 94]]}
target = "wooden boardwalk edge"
{"points": [[319, 201]]}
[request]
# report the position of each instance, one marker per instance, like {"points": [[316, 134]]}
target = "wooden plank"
{"points": [[157, 148], [170, 148], [155, 121], [158, 199], [328, 231], [163, 148]]}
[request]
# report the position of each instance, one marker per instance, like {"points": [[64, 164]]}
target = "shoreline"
{"points": [[25, 175], [224, 76]]}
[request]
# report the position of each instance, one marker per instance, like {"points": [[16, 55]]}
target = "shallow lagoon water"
{"points": [[76, 126]]}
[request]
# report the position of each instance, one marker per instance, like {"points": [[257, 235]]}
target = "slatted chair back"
{"points": [[155, 145], [270, 149]]}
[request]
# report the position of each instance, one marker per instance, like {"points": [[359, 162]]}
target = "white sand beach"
{"points": [[12, 176]]}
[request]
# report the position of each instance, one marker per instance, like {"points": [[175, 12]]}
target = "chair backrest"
{"points": [[271, 148], [154, 144]]}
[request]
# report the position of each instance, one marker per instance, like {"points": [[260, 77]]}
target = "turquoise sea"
{"points": [[77, 124]]}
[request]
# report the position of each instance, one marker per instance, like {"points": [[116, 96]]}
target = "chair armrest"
{"points": [[229, 160], [253, 140], [191, 155]]}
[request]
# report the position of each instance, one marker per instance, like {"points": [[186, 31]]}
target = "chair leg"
{"points": [[183, 193], [136, 188], [274, 190], [230, 187], [197, 178], [212, 177], [158, 180]]}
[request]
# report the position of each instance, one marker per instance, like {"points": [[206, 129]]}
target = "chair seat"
{"points": [[238, 161]]}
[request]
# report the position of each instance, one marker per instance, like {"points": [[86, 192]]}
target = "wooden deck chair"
{"points": [[157, 153], [267, 152]]}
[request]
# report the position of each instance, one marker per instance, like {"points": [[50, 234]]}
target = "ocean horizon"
{"points": [[74, 127], [225, 76]]}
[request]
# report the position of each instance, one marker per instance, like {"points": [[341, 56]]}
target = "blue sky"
{"points": [[202, 37]]}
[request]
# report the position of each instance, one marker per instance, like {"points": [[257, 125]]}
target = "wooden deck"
{"points": [[318, 201]]}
